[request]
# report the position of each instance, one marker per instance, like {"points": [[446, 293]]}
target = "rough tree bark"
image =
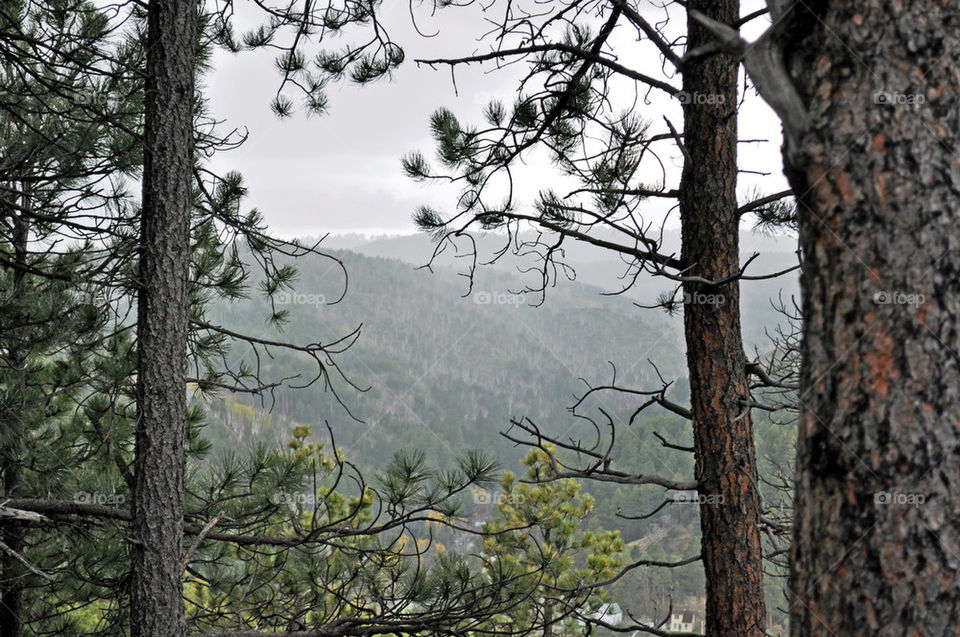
{"points": [[156, 602], [726, 467], [877, 529], [11, 599]]}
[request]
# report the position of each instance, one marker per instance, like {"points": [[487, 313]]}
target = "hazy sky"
{"points": [[340, 172]]}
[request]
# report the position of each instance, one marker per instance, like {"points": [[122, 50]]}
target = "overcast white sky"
{"points": [[341, 172]]}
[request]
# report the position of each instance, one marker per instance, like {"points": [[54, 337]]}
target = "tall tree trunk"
{"points": [[156, 602], [726, 467], [877, 530], [11, 599]]}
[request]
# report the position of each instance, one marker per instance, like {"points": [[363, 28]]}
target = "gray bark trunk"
{"points": [[156, 596], [11, 599]]}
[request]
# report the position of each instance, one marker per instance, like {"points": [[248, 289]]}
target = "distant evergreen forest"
{"points": [[442, 372]]}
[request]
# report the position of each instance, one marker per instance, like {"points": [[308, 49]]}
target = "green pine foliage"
{"points": [[538, 531]]}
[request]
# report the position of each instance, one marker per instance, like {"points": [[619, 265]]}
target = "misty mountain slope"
{"points": [[606, 270], [446, 373]]}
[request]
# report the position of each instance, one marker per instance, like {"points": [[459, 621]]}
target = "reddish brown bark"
{"points": [[726, 467], [877, 529]]}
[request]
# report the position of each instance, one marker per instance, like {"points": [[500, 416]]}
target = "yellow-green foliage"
{"points": [[538, 531], [307, 502]]}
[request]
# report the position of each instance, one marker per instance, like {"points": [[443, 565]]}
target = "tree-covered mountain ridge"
{"points": [[442, 370], [445, 371]]}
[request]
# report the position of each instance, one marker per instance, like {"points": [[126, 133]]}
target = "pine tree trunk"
{"points": [[11, 601], [11, 598], [156, 603], [877, 529], [726, 465]]}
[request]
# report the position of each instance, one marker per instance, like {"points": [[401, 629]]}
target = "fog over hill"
{"points": [[445, 371], [604, 269], [450, 370]]}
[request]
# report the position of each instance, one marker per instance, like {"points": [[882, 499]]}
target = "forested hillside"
{"points": [[444, 372], [602, 268]]}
